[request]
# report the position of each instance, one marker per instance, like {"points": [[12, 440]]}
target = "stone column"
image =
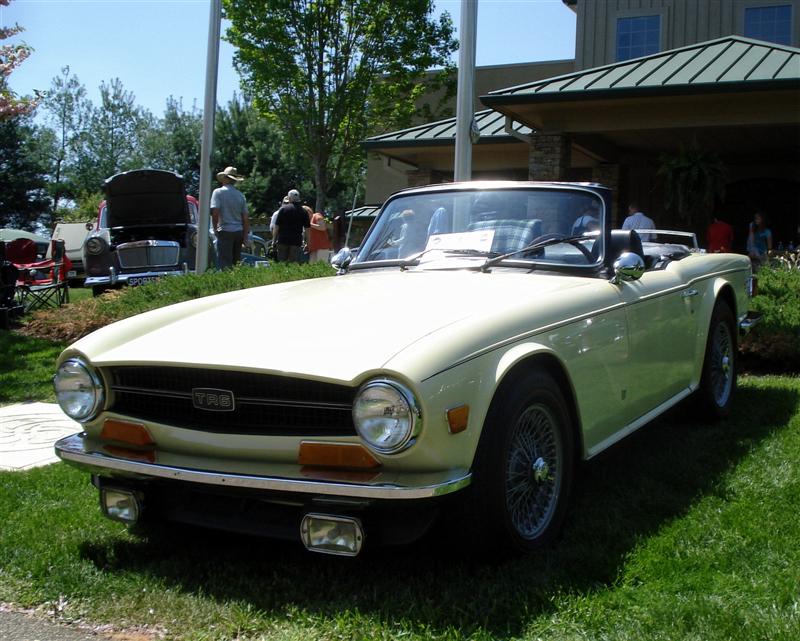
{"points": [[550, 157]]}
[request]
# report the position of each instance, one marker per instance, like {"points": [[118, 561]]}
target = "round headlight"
{"points": [[193, 239], [385, 415], [79, 390], [96, 245]]}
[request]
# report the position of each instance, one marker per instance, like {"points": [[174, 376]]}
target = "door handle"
{"points": [[688, 293]]}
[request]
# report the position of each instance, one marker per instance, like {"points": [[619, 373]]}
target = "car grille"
{"points": [[148, 253], [263, 404]]}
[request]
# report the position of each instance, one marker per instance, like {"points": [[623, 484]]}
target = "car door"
{"points": [[661, 310]]}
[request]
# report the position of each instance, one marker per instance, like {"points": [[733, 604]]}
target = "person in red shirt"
{"points": [[319, 245], [719, 236]]}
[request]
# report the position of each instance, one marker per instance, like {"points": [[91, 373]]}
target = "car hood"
{"points": [[342, 328], [145, 197]]}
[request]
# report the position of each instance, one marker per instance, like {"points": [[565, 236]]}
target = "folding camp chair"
{"points": [[44, 284]]}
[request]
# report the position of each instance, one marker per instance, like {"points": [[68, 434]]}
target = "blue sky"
{"points": [[157, 48]]}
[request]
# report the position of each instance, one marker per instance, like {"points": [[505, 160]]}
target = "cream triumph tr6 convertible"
{"points": [[497, 334]]}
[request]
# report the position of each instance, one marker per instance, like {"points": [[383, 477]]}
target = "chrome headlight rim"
{"points": [[96, 245], [97, 388], [415, 415]]}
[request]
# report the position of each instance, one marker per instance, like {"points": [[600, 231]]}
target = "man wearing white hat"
{"points": [[229, 215]]}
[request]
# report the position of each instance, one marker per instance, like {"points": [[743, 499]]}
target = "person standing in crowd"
{"points": [[318, 243], [289, 225], [759, 239], [273, 235], [229, 217], [637, 220], [719, 236]]}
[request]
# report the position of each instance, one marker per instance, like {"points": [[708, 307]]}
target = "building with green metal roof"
{"points": [[616, 120]]}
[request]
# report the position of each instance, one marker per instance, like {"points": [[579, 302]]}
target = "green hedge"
{"points": [[774, 344], [76, 320]]}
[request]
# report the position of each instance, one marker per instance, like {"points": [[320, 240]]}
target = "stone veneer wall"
{"points": [[550, 157]]}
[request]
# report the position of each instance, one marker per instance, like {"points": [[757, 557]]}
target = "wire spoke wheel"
{"points": [[523, 468], [722, 371], [718, 383], [534, 471]]}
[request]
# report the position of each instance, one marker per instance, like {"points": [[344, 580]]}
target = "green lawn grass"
{"points": [[27, 366], [684, 531]]}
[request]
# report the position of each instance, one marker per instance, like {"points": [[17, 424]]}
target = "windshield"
{"points": [[490, 222]]}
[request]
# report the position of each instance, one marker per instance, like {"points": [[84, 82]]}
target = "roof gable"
{"points": [[491, 125], [724, 63]]}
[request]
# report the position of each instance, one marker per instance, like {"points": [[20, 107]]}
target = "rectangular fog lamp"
{"points": [[331, 534], [119, 505]]}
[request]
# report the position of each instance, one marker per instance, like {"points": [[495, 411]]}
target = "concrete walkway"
{"points": [[27, 434]]}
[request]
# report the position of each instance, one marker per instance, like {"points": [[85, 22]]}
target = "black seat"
{"points": [[624, 240]]}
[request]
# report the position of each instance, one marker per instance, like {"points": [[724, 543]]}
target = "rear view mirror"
{"points": [[628, 267]]}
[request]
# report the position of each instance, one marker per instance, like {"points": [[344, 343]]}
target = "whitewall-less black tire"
{"points": [[524, 466], [718, 383]]}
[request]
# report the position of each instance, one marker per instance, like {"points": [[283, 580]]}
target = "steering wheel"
{"points": [[575, 243]]}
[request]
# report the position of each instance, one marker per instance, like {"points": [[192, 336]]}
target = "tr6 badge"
{"points": [[213, 400]]}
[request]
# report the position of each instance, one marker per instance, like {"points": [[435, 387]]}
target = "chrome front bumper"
{"points": [[122, 279], [81, 452]]}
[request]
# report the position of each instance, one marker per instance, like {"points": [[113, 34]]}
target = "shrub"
{"points": [[774, 344], [81, 318]]}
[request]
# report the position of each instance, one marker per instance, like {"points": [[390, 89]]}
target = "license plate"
{"points": [[133, 281], [72, 273]]}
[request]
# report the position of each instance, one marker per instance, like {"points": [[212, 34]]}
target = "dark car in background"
{"points": [[146, 228]]}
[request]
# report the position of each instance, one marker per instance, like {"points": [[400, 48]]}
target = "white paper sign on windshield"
{"points": [[480, 240]]}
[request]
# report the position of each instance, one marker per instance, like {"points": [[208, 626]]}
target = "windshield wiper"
{"points": [[414, 260], [572, 240]]}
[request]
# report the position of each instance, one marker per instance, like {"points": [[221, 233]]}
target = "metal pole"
{"points": [[350, 222], [465, 108], [209, 109]]}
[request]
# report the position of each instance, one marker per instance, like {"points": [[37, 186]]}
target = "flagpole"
{"points": [[207, 146], [465, 108]]}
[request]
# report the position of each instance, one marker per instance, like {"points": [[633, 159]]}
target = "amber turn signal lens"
{"points": [[125, 432], [457, 418], [350, 455]]}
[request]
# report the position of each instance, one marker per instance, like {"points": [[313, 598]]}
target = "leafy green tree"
{"points": [[254, 145], [332, 72], [84, 210], [23, 198], [173, 143], [110, 142], [11, 56], [67, 110]]}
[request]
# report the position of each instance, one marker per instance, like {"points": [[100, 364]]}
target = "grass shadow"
{"points": [[649, 480]]}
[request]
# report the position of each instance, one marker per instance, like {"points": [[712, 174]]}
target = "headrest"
{"points": [[624, 240]]}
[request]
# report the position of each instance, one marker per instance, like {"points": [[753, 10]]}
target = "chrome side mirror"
{"points": [[341, 260], [627, 267]]}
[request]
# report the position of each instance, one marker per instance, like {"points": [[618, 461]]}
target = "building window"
{"points": [[773, 23], [638, 36]]}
